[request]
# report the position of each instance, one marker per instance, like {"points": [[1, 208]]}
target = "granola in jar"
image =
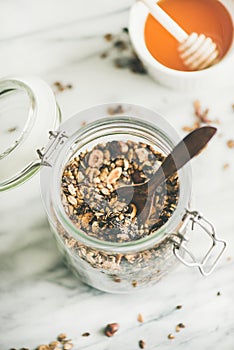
{"points": [[89, 197]]}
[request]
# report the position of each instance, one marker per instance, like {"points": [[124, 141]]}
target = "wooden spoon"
{"points": [[142, 195]]}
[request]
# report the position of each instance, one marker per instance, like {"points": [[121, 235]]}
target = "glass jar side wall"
{"points": [[115, 272]]}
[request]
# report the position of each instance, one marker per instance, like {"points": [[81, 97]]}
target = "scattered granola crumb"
{"points": [[125, 30], [62, 343], [141, 344], [117, 279], [226, 166], [134, 284], [108, 37], [229, 258], [202, 115], [43, 347], [53, 345], [84, 123], [57, 83], [218, 294], [120, 45], [122, 53], [230, 143], [233, 106], [195, 125], [171, 336], [12, 129], [86, 334], [201, 118], [111, 329], [61, 336], [140, 318], [181, 325], [104, 55], [60, 87], [115, 110], [67, 346], [179, 307], [133, 63]]}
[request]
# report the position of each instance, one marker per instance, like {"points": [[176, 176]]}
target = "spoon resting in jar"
{"points": [[142, 195]]}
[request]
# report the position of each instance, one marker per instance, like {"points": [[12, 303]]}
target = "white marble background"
{"points": [[39, 298]]}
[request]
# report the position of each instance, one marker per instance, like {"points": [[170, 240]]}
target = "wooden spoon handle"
{"points": [[186, 149]]}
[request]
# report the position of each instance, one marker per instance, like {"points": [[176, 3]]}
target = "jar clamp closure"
{"points": [[101, 264]]}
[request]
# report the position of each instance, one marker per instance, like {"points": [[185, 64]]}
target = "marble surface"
{"points": [[39, 297]]}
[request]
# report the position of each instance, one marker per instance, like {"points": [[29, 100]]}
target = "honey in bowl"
{"points": [[208, 17]]}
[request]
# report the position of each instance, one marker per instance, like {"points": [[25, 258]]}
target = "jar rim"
{"points": [[124, 120]]}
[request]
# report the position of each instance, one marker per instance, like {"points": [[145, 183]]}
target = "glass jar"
{"points": [[109, 266], [112, 266]]}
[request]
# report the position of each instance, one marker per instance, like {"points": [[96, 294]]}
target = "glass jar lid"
{"points": [[28, 111]]}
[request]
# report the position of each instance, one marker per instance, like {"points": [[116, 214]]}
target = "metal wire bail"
{"points": [[180, 241], [56, 138]]}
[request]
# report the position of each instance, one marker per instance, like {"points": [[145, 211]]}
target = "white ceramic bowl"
{"points": [[220, 75]]}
